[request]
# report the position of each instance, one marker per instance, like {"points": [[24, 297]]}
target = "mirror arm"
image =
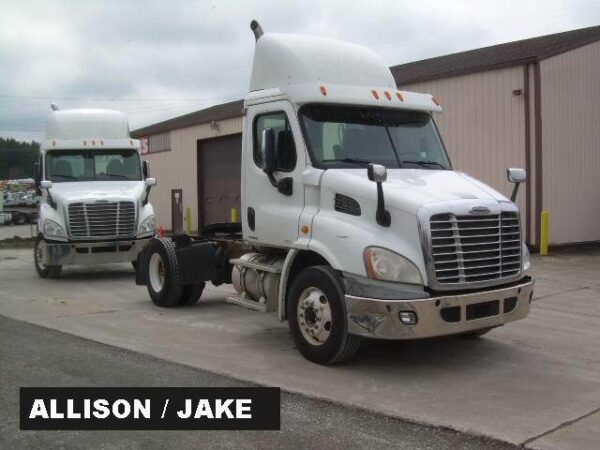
{"points": [[145, 201], [515, 191], [51, 201], [382, 215]]}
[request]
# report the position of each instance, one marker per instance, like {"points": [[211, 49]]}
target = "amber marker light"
{"points": [[304, 229], [375, 94], [436, 101], [388, 95], [400, 96], [323, 90]]}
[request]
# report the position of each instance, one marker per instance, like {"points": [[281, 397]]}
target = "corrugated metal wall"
{"points": [[177, 168], [483, 123], [571, 144]]}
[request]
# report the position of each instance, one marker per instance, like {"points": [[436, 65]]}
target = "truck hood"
{"points": [[409, 189], [97, 190]]}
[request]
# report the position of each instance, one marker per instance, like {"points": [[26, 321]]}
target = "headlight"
{"points": [[51, 228], [382, 264], [526, 258], [148, 226]]}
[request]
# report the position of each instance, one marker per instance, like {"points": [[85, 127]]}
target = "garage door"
{"points": [[219, 178]]}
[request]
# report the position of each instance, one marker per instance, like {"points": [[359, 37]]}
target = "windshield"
{"points": [[96, 165], [347, 136]]}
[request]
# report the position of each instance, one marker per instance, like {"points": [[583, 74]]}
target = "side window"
{"points": [[285, 148]]}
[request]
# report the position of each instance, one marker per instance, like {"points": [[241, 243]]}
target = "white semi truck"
{"points": [[95, 189], [354, 223]]}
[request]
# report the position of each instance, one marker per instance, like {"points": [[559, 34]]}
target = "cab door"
{"points": [[271, 212]]}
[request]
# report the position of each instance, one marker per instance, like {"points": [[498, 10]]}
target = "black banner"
{"points": [[150, 408]]}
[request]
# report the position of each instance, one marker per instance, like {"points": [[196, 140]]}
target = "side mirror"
{"points": [[516, 176], [268, 151], [46, 184], [145, 169], [150, 182], [377, 173]]}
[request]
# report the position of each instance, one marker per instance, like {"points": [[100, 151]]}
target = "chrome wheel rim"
{"points": [[314, 316], [156, 272]]}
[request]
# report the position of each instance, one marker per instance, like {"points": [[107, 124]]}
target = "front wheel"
{"points": [[41, 268], [317, 317]]}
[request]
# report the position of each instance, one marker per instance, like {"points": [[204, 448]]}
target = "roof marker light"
{"points": [[93, 142], [54, 143], [323, 90], [130, 142], [101, 141], [400, 96], [388, 95], [436, 101], [375, 94], [84, 142]]}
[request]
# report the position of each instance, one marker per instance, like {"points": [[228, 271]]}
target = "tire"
{"points": [[19, 219], [191, 294], [315, 296], [43, 270], [477, 333], [162, 273]]}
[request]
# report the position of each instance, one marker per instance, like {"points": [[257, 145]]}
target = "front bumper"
{"points": [[65, 253], [439, 316]]}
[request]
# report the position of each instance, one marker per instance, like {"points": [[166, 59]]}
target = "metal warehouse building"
{"points": [[533, 103]]}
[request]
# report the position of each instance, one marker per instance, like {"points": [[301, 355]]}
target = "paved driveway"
{"points": [[535, 382]]}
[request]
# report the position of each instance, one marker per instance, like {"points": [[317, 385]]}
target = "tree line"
{"points": [[17, 158]]}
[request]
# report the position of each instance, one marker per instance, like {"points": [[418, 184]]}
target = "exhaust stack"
{"points": [[256, 29]]}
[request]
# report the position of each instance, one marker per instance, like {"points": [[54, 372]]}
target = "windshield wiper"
{"points": [[424, 163], [362, 162], [71, 177], [116, 175]]}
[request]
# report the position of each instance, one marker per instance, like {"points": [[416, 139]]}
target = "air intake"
{"points": [[347, 205]]}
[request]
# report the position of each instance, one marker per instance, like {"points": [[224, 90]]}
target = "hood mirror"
{"points": [[46, 184], [516, 176], [377, 173], [150, 182]]}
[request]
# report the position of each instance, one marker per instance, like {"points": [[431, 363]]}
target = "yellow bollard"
{"points": [[544, 232], [188, 220], [235, 215]]}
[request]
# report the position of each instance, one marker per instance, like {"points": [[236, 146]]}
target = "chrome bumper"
{"points": [[62, 254], [438, 316]]}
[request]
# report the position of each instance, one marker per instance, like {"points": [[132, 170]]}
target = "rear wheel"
{"points": [[317, 317], [41, 268], [163, 276], [191, 293], [19, 218]]}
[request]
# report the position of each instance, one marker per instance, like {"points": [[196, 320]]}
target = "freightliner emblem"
{"points": [[480, 210]]}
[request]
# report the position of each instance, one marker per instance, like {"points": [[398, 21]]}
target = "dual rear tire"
{"points": [[163, 276]]}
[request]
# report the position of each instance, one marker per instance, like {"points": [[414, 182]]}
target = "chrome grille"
{"points": [[109, 220], [468, 249]]}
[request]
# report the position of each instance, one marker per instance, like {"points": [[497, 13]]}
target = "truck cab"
{"points": [[354, 222], [95, 189]]}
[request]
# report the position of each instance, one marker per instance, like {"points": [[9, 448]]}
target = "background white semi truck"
{"points": [[95, 189], [354, 223]]}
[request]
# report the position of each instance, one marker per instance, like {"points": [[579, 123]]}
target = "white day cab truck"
{"points": [[354, 223], [95, 189]]}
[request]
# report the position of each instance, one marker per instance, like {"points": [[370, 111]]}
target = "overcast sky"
{"points": [[160, 59]]}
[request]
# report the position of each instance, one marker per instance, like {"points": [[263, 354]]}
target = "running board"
{"points": [[244, 301]]}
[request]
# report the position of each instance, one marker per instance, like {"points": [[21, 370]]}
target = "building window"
{"points": [[285, 149], [159, 143]]}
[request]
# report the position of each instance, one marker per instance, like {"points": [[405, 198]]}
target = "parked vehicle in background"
{"points": [[95, 189], [354, 223], [20, 200]]}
